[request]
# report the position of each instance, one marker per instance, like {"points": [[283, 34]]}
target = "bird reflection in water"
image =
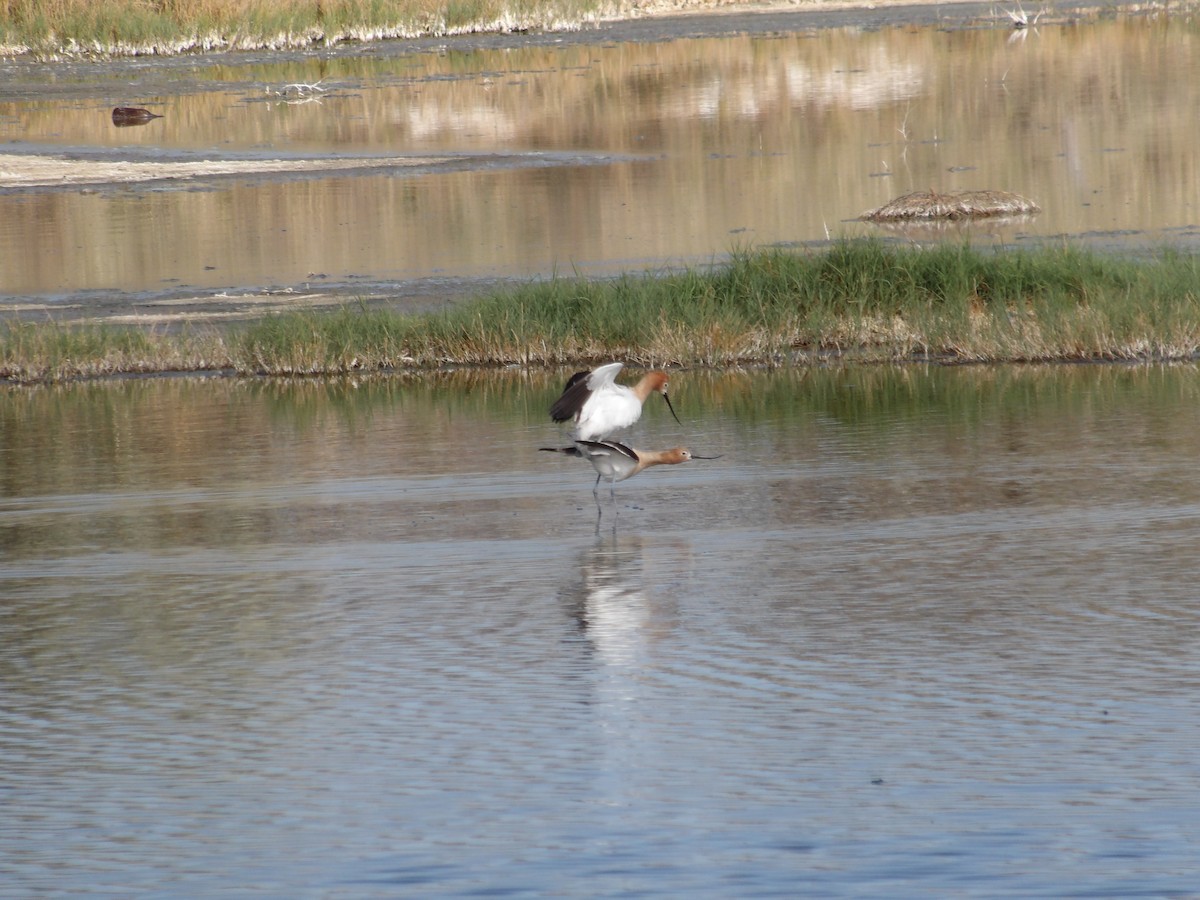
{"points": [[618, 617]]}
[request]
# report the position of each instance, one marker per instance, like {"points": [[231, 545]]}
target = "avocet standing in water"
{"points": [[617, 462]]}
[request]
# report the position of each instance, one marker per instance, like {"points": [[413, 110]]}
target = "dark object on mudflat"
{"points": [[124, 116], [952, 205]]}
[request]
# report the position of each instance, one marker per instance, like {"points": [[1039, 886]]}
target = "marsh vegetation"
{"points": [[864, 300]]}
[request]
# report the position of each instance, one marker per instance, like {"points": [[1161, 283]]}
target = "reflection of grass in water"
{"points": [[860, 299], [166, 26]]}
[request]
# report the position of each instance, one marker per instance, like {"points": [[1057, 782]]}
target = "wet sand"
{"points": [[44, 170]]}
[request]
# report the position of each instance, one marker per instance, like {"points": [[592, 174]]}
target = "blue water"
{"points": [[918, 632]]}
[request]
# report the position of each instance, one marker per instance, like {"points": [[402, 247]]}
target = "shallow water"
{"points": [[918, 631], [598, 154]]}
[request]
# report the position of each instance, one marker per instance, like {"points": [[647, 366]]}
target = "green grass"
{"points": [[859, 299]]}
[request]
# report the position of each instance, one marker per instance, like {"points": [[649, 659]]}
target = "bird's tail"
{"points": [[570, 451]]}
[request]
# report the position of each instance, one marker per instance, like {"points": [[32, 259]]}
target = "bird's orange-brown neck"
{"points": [[651, 383], [674, 456]]}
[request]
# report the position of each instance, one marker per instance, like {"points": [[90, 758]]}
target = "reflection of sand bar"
{"points": [[20, 171], [930, 229]]}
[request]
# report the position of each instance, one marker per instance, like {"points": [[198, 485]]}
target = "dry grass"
{"points": [[952, 205], [139, 27], [49, 352]]}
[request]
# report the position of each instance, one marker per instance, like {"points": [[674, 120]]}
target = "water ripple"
{"points": [[865, 668]]}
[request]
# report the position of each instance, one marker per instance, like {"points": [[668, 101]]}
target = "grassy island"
{"points": [[861, 300]]}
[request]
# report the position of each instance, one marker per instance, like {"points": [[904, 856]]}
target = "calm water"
{"points": [[917, 632], [596, 152]]}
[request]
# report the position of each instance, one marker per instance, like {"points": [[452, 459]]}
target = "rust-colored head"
{"points": [[656, 383], [672, 457]]}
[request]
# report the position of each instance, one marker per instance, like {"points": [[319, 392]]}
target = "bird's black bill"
{"points": [[671, 408], [718, 456]]}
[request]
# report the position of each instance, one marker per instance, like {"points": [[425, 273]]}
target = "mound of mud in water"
{"points": [[952, 205]]}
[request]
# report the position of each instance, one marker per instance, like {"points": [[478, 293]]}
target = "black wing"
{"points": [[573, 397]]}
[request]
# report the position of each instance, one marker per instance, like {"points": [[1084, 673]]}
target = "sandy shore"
{"points": [[19, 170], [58, 171]]}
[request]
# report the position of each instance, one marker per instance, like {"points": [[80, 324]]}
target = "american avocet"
{"points": [[600, 406], [616, 462]]}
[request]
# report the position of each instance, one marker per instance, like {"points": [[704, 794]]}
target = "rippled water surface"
{"points": [[916, 632], [597, 152]]}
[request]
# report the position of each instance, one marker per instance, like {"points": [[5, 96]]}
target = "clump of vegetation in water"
{"points": [[52, 27], [952, 205], [859, 299]]}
